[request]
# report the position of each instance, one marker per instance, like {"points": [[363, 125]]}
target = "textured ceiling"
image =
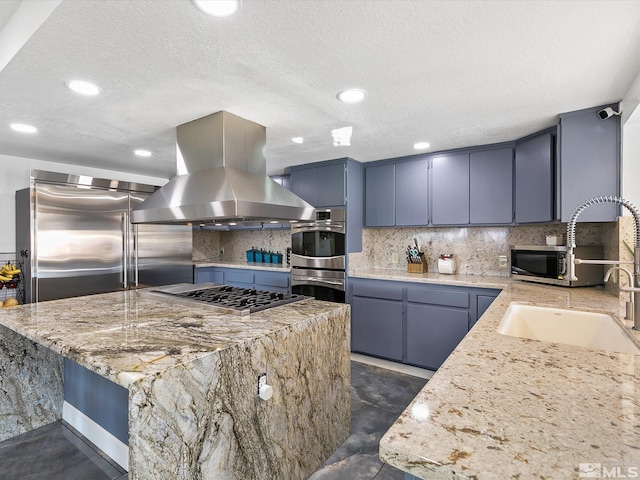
{"points": [[453, 73]]}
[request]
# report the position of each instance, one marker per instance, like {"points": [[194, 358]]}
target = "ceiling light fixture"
{"points": [[342, 136], [218, 8], [297, 139], [22, 128], [142, 153], [83, 88], [421, 145], [352, 95]]}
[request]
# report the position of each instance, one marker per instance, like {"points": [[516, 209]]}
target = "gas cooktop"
{"points": [[225, 298]]}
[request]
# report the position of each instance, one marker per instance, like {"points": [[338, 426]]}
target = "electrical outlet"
{"points": [[502, 261], [394, 257]]}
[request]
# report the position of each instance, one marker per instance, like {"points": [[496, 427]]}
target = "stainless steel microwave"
{"points": [[548, 264]]}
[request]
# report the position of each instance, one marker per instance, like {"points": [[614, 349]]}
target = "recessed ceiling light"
{"points": [[22, 128], [274, 221], [83, 88], [421, 145], [297, 139], [142, 153], [352, 95], [218, 8]]}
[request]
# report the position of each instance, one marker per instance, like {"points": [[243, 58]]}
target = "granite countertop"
{"points": [[125, 336], [481, 281], [506, 407], [272, 267]]}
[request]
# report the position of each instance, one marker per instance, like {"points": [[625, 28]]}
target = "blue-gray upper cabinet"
{"points": [[491, 187], [330, 185], [380, 192], [411, 193], [303, 184], [450, 189], [589, 163], [322, 186], [534, 177]]}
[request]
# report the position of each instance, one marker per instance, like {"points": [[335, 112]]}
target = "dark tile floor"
{"points": [[54, 452], [378, 396]]}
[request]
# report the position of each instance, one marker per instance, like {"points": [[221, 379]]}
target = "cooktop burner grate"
{"points": [[239, 300]]}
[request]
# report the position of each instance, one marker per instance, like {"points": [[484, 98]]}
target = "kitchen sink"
{"points": [[597, 331]]}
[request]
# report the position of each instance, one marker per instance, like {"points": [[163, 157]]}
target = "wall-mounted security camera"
{"points": [[607, 112]]}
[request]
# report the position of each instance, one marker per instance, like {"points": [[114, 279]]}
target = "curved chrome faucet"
{"points": [[631, 303], [634, 280]]}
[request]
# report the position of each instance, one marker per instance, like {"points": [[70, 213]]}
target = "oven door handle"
{"points": [[317, 227], [319, 280]]}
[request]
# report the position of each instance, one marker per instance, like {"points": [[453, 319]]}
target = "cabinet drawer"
{"points": [[377, 290], [449, 298]]}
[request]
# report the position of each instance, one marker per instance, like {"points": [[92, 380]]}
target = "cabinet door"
{"points": [[239, 278], [330, 186], [589, 164], [491, 187], [484, 301], [412, 199], [202, 275], [450, 190], [534, 179], [303, 184], [433, 333], [380, 196], [376, 327]]}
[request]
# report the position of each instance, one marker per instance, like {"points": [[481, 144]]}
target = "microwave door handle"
{"points": [[564, 266]]}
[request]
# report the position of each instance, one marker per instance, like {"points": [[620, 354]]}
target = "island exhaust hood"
{"points": [[221, 178]]}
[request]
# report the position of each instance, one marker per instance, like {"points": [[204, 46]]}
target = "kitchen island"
{"points": [[504, 407], [192, 380]]}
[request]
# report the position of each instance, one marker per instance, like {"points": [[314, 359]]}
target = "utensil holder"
{"points": [[418, 267]]}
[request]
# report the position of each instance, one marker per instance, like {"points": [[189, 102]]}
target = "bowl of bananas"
{"points": [[9, 275]]}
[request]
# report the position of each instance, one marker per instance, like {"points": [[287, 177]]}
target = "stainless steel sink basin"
{"points": [[598, 331]]}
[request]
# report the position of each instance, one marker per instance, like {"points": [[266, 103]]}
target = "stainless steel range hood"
{"points": [[221, 178]]}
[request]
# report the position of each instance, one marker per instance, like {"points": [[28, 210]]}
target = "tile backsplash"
{"points": [[475, 249], [207, 244]]}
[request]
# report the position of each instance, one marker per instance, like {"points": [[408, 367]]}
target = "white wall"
{"points": [[630, 117], [15, 173]]}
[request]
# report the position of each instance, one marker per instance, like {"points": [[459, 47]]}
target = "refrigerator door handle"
{"points": [[125, 250], [135, 256]]}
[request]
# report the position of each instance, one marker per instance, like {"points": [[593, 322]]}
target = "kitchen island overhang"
{"points": [[194, 410]]}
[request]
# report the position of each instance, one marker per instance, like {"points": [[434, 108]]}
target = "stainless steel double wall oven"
{"points": [[318, 256]]}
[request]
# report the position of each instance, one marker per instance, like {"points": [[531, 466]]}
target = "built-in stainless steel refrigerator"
{"points": [[74, 238]]}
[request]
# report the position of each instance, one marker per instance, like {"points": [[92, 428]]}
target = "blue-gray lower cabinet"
{"points": [[376, 327], [414, 323], [376, 319], [433, 332], [245, 278], [207, 274]]}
